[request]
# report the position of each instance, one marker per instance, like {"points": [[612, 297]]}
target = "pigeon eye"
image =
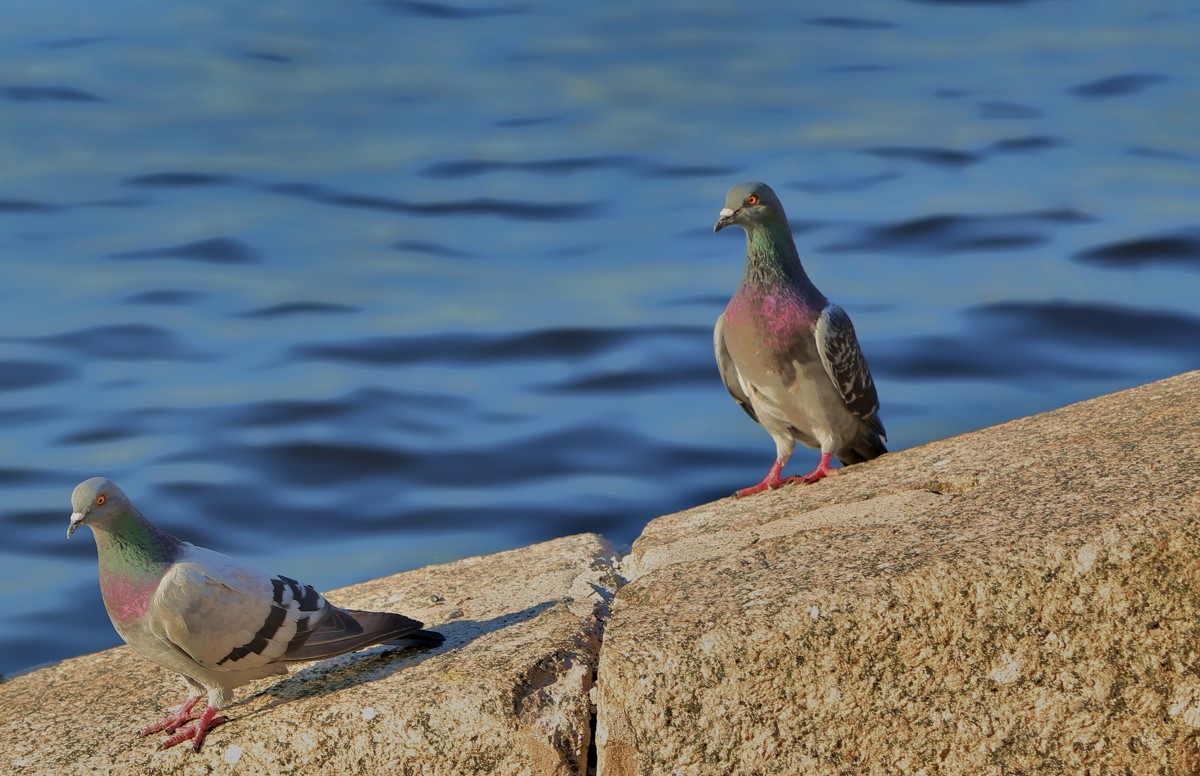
{"points": [[101, 499], [752, 199]]}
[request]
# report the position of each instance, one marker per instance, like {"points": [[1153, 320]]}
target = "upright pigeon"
{"points": [[216, 621], [787, 354]]}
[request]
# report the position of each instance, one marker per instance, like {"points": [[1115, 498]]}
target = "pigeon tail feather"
{"points": [[349, 629], [423, 639], [864, 447]]}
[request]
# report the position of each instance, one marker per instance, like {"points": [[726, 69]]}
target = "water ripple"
{"points": [[850, 23], [476, 348], [829, 185], [16, 375], [46, 94], [1122, 85], [215, 250], [998, 109], [180, 180], [430, 249], [1036, 343], [938, 157], [637, 381], [1176, 249], [288, 309], [123, 342], [1027, 144], [26, 206], [466, 168], [949, 233], [431, 10], [66, 43], [165, 296], [1090, 326], [527, 211]]}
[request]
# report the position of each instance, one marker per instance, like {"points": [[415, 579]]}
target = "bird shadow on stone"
{"points": [[370, 665]]}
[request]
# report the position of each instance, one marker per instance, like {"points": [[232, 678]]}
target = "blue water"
{"points": [[352, 288]]}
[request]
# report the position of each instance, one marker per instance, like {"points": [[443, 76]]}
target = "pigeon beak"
{"points": [[725, 220], [76, 521]]}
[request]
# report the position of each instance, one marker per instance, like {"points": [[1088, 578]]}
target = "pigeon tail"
{"points": [[422, 639], [864, 447], [346, 630]]}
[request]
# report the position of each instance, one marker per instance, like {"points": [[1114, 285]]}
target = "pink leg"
{"points": [[197, 732], [822, 471], [772, 480]]}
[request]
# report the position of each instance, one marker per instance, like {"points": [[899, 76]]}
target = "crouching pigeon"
{"points": [[787, 354], [214, 620]]}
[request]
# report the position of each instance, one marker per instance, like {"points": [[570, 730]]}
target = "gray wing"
{"points": [[729, 373], [843, 360], [232, 616]]}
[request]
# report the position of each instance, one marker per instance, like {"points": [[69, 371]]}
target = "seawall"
{"points": [[1020, 599]]}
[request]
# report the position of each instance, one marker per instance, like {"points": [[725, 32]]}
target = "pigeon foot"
{"points": [[173, 722], [770, 482], [195, 733], [822, 471]]}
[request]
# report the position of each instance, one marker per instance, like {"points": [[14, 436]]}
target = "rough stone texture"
{"points": [[508, 693], [1022, 599]]}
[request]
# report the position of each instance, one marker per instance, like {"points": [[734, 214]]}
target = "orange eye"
{"points": [[752, 199], [101, 499]]}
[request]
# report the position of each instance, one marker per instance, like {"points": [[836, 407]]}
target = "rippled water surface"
{"points": [[351, 288]]}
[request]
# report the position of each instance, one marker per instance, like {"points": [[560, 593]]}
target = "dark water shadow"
{"points": [[1035, 343], [164, 296], [27, 206], [948, 233], [371, 665], [999, 109], [431, 248], [829, 185], [1174, 249], [215, 250], [21, 374], [474, 348], [121, 342], [479, 206], [850, 23], [305, 307], [1026, 144], [937, 157], [1123, 85], [179, 180], [76, 42], [468, 168], [975, 3], [46, 94], [426, 9], [267, 56]]}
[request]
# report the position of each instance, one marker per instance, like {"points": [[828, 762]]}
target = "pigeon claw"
{"points": [[173, 722], [773, 481], [822, 471], [195, 733]]}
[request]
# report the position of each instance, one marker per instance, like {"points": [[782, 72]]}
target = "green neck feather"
{"points": [[131, 547]]}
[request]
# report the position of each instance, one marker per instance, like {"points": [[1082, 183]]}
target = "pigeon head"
{"points": [[751, 204], [96, 501]]}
